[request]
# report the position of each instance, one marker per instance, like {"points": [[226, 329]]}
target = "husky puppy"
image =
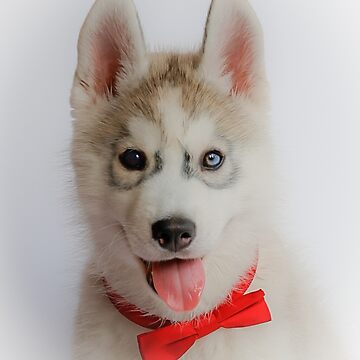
{"points": [[174, 175]]}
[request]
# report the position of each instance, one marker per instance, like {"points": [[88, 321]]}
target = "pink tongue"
{"points": [[179, 283]]}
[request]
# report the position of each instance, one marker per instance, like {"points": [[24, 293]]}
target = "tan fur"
{"points": [[166, 71]]}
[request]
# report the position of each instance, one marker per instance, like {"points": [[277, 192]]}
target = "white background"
{"points": [[313, 61]]}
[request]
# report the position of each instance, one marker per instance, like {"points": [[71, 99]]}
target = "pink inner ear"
{"points": [[111, 47], [239, 58]]}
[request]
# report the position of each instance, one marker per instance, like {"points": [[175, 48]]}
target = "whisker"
{"points": [[105, 227]]}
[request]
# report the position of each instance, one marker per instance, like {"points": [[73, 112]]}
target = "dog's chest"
{"points": [[103, 333], [118, 341]]}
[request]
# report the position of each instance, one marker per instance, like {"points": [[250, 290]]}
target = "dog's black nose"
{"points": [[173, 234]]}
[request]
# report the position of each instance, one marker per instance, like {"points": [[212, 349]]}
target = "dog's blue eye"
{"points": [[133, 159], [213, 160]]}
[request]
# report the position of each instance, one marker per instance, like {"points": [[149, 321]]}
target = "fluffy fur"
{"points": [[175, 107]]}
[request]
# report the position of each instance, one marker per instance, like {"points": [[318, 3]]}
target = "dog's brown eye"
{"points": [[213, 160], [134, 160]]}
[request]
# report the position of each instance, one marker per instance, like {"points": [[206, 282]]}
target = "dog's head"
{"points": [[171, 155]]}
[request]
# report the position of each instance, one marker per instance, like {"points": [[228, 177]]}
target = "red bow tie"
{"points": [[169, 341]]}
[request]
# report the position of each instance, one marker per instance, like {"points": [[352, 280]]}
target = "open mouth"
{"points": [[148, 271], [178, 282]]}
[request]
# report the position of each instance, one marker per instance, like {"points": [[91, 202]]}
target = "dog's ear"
{"points": [[111, 50], [233, 48]]}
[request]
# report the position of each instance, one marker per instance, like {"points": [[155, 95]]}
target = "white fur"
{"points": [[220, 29], [232, 224], [121, 11]]}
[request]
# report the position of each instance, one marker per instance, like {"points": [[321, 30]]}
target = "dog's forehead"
{"points": [[175, 124], [171, 104]]}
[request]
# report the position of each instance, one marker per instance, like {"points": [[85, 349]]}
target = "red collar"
{"points": [[169, 341]]}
